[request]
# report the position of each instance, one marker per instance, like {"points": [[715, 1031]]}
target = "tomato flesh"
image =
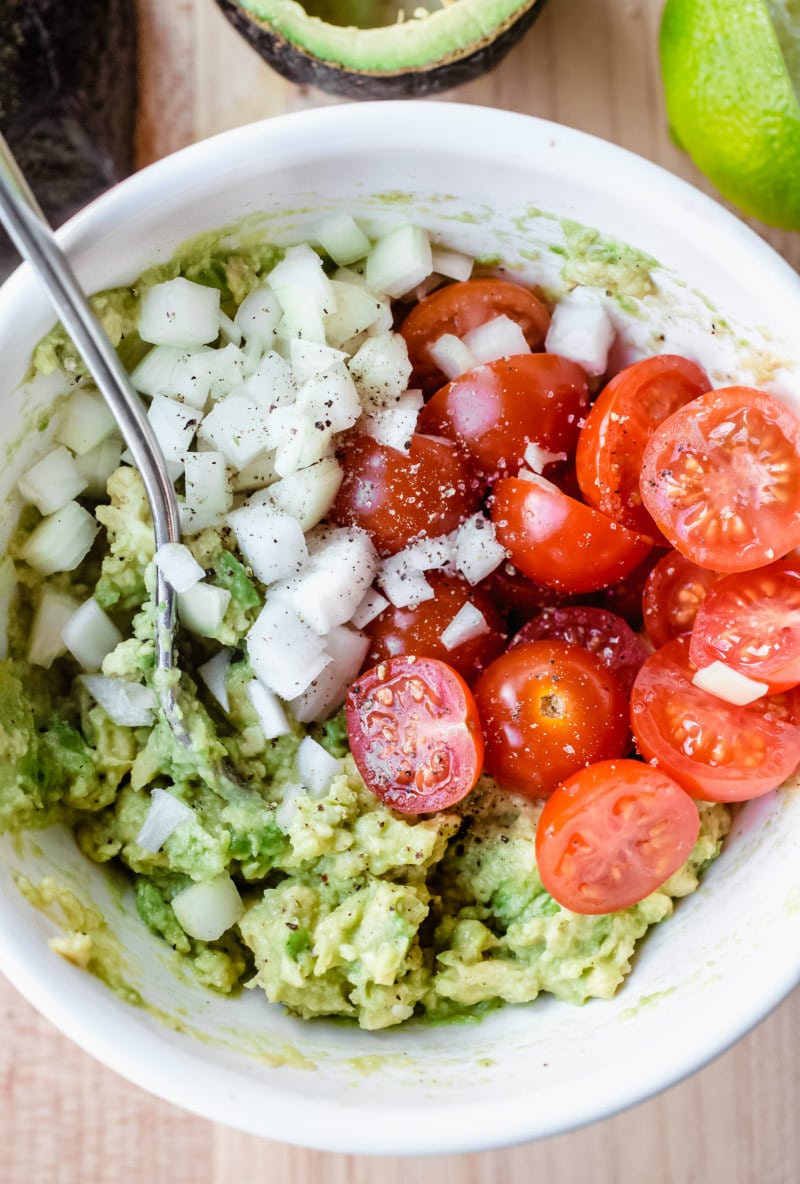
{"points": [[713, 749], [558, 541], [419, 630], [612, 834], [721, 478], [673, 594], [414, 734], [458, 309], [751, 622], [625, 415], [547, 709], [594, 629], [399, 498], [498, 409]]}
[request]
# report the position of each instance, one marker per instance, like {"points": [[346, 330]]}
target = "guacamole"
{"points": [[348, 908]]}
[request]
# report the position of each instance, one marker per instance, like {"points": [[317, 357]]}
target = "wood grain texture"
{"points": [[66, 1120]]}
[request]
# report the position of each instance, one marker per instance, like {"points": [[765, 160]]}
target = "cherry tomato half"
{"points": [[673, 593], [460, 308], [560, 542], [627, 412], [498, 409], [415, 734], [594, 629], [612, 834], [547, 709], [419, 630], [751, 622], [721, 478], [400, 498], [713, 749]]}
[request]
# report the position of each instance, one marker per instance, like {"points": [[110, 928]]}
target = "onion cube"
{"points": [[214, 674], [208, 495], [394, 427], [191, 378], [399, 261], [165, 814], [285, 654], [330, 399], [539, 458], [499, 338], [272, 384], [453, 264], [174, 425], [271, 541], [309, 493], [477, 551], [581, 330], [300, 276], [45, 642], [303, 439], [207, 910], [153, 375], [316, 768], [87, 422], [269, 709], [258, 316], [327, 591], [310, 357], [342, 238], [405, 586], [179, 312], [356, 311], [257, 475], [381, 369], [370, 607], [202, 608], [452, 355], [52, 482], [346, 650], [468, 623], [236, 428], [178, 566], [90, 635], [127, 704], [729, 685], [61, 541], [97, 465]]}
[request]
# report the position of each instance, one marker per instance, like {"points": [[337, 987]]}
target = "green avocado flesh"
{"points": [[350, 910]]}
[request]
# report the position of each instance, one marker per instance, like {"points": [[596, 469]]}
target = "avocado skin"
{"points": [[68, 99], [304, 69]]}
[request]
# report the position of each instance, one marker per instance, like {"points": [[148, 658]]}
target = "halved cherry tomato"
{"points": [[547, 709], [612, 834], [498, 409], [673, 593], [594, 629], [415, 734], [751, 622], [721, 478], [713, 749], [560, 542], [627, 412], [460, 308], [419, 630], [400, 498]]}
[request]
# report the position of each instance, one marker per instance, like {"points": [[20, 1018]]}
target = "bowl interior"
{"points": [[695, 281]]}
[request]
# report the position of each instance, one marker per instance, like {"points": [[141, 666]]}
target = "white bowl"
{"points": [[730, 953]]}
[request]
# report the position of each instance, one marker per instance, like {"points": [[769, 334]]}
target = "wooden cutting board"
{"points": [[66, 1120]]}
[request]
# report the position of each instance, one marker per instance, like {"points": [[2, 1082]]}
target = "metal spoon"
{"points": [[30, 232]]}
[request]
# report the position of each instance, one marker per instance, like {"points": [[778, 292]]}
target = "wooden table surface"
{"points": [[66, 1120]]}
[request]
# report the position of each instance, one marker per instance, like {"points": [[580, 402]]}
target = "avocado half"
{"points": [[382, 49]]}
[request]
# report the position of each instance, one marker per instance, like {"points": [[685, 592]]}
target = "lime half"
{"points": [[730, 71]]}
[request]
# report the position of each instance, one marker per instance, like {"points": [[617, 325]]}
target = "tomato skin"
{"points": [[414, 734], [612, 834], [751, 622], [399, 498], [714, 750], [625, 597], [518, 597], [600, 632], [498, 409], [721, 478], [547, 709], [624, 416], [673, 594], [559, 542], [459, 308], [418, 630]]}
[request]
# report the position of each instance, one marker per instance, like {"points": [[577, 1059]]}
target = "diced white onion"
{"points": [[357, 310], [581, 330], [191, 377], [174, 425], [326, 592], [258, 316], [128, 704], [452, 355], [226, 370], [61, 541], [269, 710], [308, 494], [316, 768], [309, 358], [538, 458], [405, 586], [257, 475], [381, 369], [499, 338], [399, 261], [453, 264], [90, 635], [153, 375], [178, 566], [370, 607], [299, 438], [45, 642], [202, 608], [342, 238], [235, 427], [97, 465], [727, 684], [345, 651], [299, 276], [206, 911], [394, 427], [208, 491], [87, 422], [285, 654], [431, 554], [286, 811], [271, 541], [330, 399], [165, 814], [468, 623], [229, 330], [179, 312], [214, 674], [300, 319], [52, 482], [477, 551], [272, 384]]}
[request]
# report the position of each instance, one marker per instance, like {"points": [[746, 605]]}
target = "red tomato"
{"points": [[560, 542], [415, 734], [400, 498], [609, 454], [714, 750], [625, 597], [612, 834], [596, 630], [721, 478], [418, 630], [518, 597], [673, 593], [498, 409], [460, 308], [547, 709], [751, 622]]}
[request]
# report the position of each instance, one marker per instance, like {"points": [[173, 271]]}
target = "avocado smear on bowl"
{"points": [[330, 902]]}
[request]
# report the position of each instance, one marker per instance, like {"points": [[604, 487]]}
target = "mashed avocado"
{"points": [[350, 909]]}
